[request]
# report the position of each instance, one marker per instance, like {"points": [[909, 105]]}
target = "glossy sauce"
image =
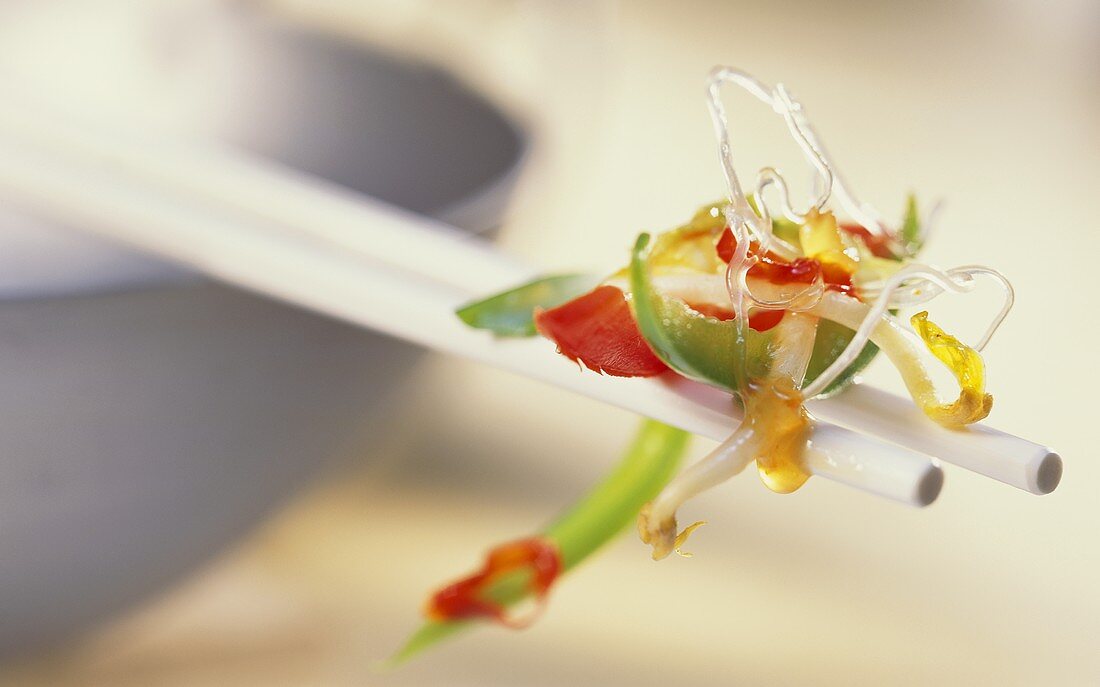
{"points": [[774, 410], [774, 269], [773, 406]]}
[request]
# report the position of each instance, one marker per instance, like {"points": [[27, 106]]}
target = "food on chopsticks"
{"points": [[527, 569], [775, 308]]}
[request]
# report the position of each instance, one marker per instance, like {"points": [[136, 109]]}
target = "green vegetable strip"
{"points": [[511, 313], [650, 462], [832, 339], [910, 227]]}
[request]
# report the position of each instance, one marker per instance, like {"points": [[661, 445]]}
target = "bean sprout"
{"points": [[914, 284], [829, 178], [921, 283]]}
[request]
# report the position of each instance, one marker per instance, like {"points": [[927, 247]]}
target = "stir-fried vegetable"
{"points": [[652, 459], [973, 404], [598, 330], [773, 308], [831, 340], [912, 231], [511, 313], [696, 346], [706, 349]]}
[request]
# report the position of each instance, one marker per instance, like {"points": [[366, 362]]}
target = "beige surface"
{"points": [[992, 107]]}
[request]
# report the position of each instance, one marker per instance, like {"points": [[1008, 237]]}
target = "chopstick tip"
{"points": [[930, 486], [1049, 473]]}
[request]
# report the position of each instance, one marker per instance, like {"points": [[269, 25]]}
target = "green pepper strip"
{"points": [[832, 339], [911, 226], [511, 313], [650, 462], [694, 345]]}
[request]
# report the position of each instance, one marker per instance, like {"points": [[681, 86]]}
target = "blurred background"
{"points": [[201, 487]]}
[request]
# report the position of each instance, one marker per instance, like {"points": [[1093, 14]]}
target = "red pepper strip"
{"points": [[598, 330], [761, 321], [765, 319], [876, 243], [715, 311], [774, 269], [727, 245], [801, 271], [462, 600]]}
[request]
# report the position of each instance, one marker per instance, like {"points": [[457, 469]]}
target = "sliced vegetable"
{"points": [[511, 313], [598, 330], [785, 230], [694, 345], [778, 271], [912, 234], [821, 241], [613, 505], [690, 247], [832, 339], [466, 600], [973, 404], [727, 244], [820, 238], [761, 320], [877, 244], [706, 349]]}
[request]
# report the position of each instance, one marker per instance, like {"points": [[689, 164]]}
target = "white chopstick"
{"points": [[990, 452], [249, 254], [312, 208], [312, 211]]}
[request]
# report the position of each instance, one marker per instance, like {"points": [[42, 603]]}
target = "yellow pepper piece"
{"points": [[820, 238], [709, 217], [966, 365], [690, 247]]}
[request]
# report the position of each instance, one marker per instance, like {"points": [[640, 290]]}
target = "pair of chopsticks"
{"points": [[267, 229]]}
